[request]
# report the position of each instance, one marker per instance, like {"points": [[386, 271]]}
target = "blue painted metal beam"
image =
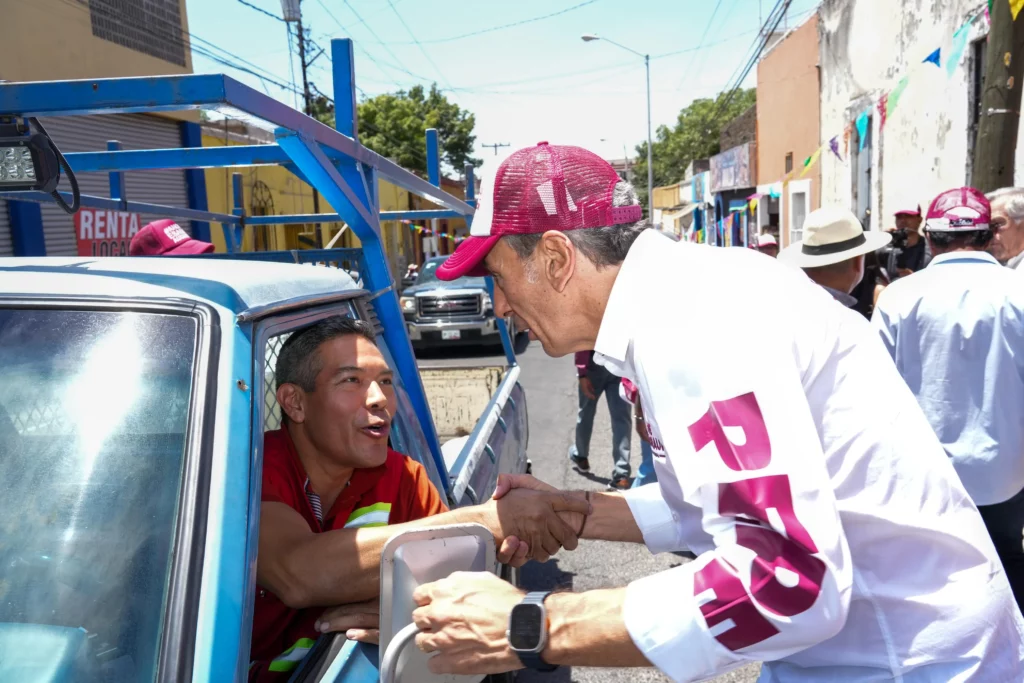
{"points": [[433, 158], [184, 158], [136, 207], [346, 113], [200, 91], [117, 187], [233, 233], [296, 219], [356, 211]]}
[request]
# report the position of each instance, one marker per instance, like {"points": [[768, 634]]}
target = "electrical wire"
{"points": [[505, 26], [261, 10], [369, 28], [419, 44]]}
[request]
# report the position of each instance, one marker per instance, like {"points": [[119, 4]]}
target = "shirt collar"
{"points": [[1016, 261], [842, 297], [615, 334], [979, 256]]}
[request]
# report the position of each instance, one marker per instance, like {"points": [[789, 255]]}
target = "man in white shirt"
{"points": [[835, 541], [956, 332], [1008, 222], [832, 251]]}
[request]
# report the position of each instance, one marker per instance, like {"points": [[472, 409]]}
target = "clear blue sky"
{"points": [[537, 81]]}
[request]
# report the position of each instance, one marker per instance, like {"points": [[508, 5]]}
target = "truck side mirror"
{"points": [[418, 557]]}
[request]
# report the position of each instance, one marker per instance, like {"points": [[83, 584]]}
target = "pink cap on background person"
{"points": [[909, 212], [958, 210], [766, 240], [166, 238], [536, 189]]}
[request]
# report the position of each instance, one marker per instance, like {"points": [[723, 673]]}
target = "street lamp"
{"points": [[589, 37]]}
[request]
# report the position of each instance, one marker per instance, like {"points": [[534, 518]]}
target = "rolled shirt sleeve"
{"points": [[743, 442]]}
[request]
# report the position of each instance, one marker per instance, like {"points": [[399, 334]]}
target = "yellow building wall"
{"points": [[280, 192], [43, 40]]}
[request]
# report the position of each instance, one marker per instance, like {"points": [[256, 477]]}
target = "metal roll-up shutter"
{"points": [[90, 133], [6, 245]]}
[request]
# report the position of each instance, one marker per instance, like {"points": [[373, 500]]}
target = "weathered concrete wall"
{"points": [[866, 47]]}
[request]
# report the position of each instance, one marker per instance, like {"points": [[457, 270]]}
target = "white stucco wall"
{"points": [[866, 47]]}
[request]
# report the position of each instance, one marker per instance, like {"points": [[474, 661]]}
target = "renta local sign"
{"points": [[105, 233]]}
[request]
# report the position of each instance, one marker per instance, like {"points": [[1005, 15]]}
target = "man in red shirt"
{"points": [[330, 487]]}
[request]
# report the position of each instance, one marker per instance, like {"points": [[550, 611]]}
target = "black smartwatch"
{"points": [[528, 631]]}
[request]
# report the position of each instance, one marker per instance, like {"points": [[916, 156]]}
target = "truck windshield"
{"points": [[428, 274], [93, 419]]}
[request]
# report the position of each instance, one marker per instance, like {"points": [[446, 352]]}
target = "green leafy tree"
{"points": [[694, 136], [394, 125]]}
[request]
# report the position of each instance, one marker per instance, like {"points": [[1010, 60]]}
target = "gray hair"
{"points": [[601, 246], [299, 360], [1014, 198]]}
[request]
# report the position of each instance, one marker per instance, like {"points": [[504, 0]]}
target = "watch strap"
{"points": [[533, 660]]}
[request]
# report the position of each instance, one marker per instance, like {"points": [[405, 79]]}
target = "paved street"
{"points": [[550, 386]]}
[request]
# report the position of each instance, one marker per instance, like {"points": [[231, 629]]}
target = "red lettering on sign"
{"points": [[730, 601], [742, 412]]}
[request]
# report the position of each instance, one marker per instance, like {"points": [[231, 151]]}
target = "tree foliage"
{"points": [[394, 125], [694, 136]]}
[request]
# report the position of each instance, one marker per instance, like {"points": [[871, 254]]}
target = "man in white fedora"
{"points": [[832, 251]]}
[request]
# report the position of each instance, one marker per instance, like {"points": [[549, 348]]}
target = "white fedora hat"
{"points": [[831, 236]]}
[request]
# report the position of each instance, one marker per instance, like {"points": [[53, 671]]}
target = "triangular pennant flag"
{"points": [[862, 129], [833, 145], [811, 160], [894, 97], [956, 52], [753, 205], [1015, 8], [935, 58], [883, 107]]}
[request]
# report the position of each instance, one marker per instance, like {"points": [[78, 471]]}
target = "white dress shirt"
{"points": [[835, 540], [956, 332]]}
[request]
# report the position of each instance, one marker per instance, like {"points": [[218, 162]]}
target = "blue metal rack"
{"points": [[331, 160]]}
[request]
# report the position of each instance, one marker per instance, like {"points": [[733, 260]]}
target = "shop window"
{"points": [[798, 200], [789, 162]]}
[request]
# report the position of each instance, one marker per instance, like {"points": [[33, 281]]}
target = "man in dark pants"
{"points": [[594, 381]]}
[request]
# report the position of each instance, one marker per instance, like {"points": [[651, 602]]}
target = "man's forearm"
{"points": [[343, 566], [588, 629], [611, 520]]}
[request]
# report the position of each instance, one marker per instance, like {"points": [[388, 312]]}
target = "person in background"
{"points": [[766, 244], [915, 256], [956, 332], [596, 380], [1007, 244], [166, 238], [833, 250], [835, 541], [645, 473]]}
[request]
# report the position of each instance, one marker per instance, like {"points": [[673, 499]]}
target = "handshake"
{"points": [[531, 520]]}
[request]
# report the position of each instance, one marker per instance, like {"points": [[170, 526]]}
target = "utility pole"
{"points": [[293, 12], [1000, 102], [496, 145]]}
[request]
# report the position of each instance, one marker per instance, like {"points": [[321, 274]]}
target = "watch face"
{"points": [[524, 632]]}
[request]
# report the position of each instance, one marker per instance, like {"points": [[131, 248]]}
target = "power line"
{"points": [[418, 44], [505, 26], [700, 45], [369, 28], [261, 10]]}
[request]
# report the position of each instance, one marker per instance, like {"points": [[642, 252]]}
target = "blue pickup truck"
{"points": [[136, 392]]}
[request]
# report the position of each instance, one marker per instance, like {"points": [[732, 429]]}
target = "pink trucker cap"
{"points": [[166, 238], [957, 210], [537, 189]]}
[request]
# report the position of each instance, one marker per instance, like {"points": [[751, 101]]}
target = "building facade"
{"points": [[788, 133], [911, 152], [98, 39]]}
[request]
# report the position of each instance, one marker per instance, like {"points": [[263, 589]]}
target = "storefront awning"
{"points": [[676, 214]]}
